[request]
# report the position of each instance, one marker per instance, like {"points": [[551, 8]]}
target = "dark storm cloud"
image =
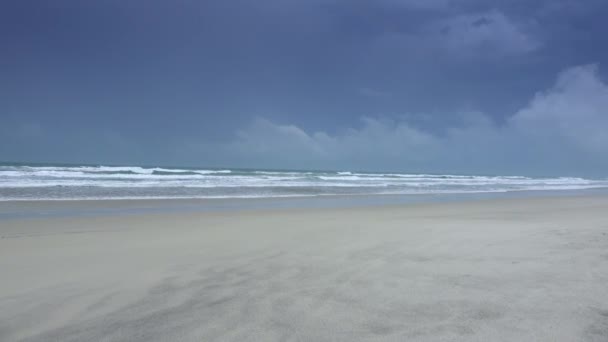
{"points": [[560, 130], [128, 81]]}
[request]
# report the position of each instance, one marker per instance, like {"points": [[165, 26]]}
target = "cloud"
{"points": [[563, 127], [375, 139], [574, 110], [456, 38], [488, 32]]}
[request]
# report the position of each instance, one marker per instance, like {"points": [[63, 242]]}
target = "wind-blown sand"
{"points": [[495, 270]]}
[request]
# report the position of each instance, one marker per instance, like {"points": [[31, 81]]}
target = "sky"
{"points": [[440, 86]]}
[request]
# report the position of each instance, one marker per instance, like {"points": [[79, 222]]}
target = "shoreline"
{"points": [[23, 209]]}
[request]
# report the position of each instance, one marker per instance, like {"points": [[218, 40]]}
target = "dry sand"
{"points": [[495, 270]]}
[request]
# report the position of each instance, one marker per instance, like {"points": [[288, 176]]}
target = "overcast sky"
{"points": [[442, 86]]}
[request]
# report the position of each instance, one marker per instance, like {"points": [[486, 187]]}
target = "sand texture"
{"points": [[494, 270]]}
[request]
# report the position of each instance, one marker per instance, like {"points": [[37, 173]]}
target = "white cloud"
{"points": [[264, 136], [564, 127], [375, 140], [574, 110]]}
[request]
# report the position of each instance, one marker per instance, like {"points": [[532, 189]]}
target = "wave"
{"points": [[106, 169], [124, 181]]}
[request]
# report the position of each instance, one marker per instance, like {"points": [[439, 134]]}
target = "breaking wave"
{"points": [[87, 182]]}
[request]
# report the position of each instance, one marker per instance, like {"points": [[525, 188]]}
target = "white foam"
{"points": [[268, 183]]}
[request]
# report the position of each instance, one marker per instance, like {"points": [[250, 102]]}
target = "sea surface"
{"points": [[70, 182]]}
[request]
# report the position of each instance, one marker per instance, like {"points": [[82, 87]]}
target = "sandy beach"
{"points": [[532, 269]]}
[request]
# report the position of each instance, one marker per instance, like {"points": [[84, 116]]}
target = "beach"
{"points": [[516, 269]]}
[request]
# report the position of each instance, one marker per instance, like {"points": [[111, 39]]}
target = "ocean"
{"points": [[72, 182]]}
